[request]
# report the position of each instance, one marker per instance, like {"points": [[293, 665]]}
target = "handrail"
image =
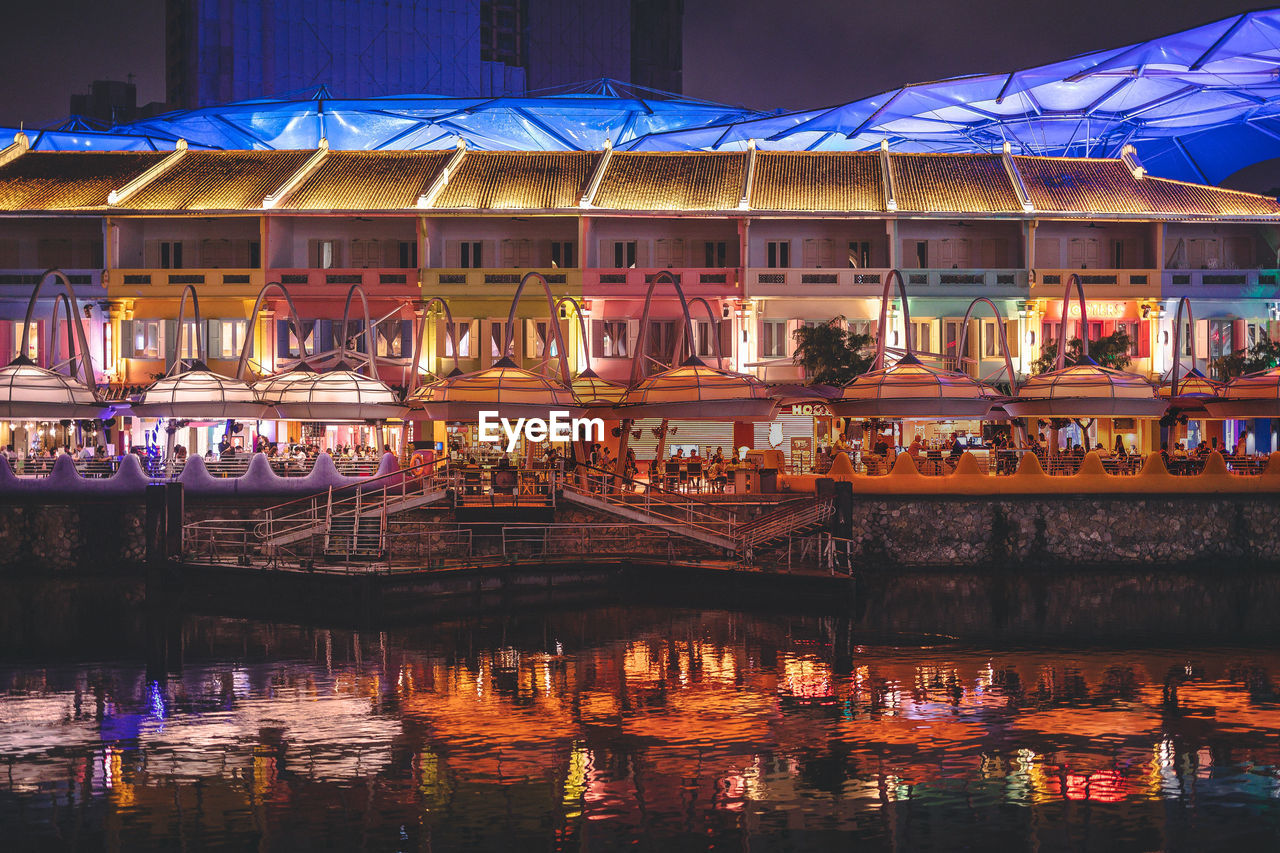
{"points": [[364, 483]]}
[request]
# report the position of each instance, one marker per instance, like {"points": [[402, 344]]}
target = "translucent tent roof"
{"points": [[694, 391], [1086, 390], [1197, 105], [198, 394], [587, 120], [337, 395], [1254, 395], [505, 388], [910, 389], [30, 391]]}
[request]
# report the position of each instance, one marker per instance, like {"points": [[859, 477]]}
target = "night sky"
{"points": [[761, 53]]}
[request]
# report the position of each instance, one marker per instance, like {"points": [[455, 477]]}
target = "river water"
{"points": [[611, 728]]}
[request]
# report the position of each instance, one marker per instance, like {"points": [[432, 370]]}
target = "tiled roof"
{"points": [[218, 180], [518, 180], [1176, 197], [1079, 184], [1084, 185], [368, 180], [69, 180], [952, 183], [817, 181], [683, 181]]}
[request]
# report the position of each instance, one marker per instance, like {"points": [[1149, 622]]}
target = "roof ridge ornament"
{"points": [[1011, 168], [1129, 156], [749, 178], [886, 177], [428, 198], [295, 180], [118, 196], [21, 145], [589, 197]]}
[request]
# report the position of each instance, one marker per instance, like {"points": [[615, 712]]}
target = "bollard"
{"points": [[174, 509], [157, 533]]}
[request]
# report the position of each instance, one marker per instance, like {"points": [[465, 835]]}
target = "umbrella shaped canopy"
{"points": [[694, 391], [198, 393], [339, 394], [1193, 392], [270, 388], [505, 388], [590, 390], [1086, 390], [1255, 395], [30, 391], [910, 389]]}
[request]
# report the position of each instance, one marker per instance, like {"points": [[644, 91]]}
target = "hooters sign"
{"points": [[817, 410]]}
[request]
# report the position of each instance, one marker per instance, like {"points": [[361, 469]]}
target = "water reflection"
{"points": [[641, 728]]}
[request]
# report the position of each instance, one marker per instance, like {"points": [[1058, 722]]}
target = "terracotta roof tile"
{"points": [[68, 180], [836, 181], [952, 183], [368, 180], [1079, 184], [218, 180], [519, 180], [680, 181]]}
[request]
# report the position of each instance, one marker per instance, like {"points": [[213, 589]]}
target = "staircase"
{"points": [[784, 522], [656, 507], [355, 523]]}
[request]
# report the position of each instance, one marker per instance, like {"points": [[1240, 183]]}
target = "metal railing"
{"points": [[784, 522], [1005, 462], [660, 504], [532, 541]]}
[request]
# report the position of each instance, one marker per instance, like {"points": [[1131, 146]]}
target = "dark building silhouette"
{"points": [[217, 52]]}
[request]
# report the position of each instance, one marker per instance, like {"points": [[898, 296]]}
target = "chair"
{"points": [[504, 482], [671, 475], [695, 475]]}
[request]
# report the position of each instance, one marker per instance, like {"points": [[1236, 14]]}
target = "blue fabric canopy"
{"points": [[1197, 105]]}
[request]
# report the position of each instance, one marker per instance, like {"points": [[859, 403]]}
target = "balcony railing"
{"points": [[493, 278], [1254, 283], [1100, 282], [865, 282], [20, 281], [694, 280], [371, 278], [170, 282]]}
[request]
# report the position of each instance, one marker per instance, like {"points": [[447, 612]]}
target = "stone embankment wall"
{"points": [[1030, 531], [883, 532]]}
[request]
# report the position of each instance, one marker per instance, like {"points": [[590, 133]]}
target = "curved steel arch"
{"points": [[1004, 340], [86, 363], [508, 341], [1177, 342], [1073, 279], [182, 314], [450, 330], [247, 347], [369, 342], [881, 336], [715, 324], [641, 345]]}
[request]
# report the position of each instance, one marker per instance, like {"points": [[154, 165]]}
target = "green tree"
{"points": [[1109, 351], [1263, 355], [831, 354]]}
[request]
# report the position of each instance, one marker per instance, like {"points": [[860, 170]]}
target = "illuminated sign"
{"points": [[1099, 309], [818, 410]]}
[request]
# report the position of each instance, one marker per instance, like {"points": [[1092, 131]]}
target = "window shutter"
{"points": [[324, 336], [810, 254], [126, 338], [508, 253], [633, 337], [642, 254], [406, 339], [597, 340], [170, 342], [1239, 336], [282, 339], [213, 338], [662, 253], [1011, 335], [1144, 339], [725, 330], [1202, 339], [826, 253], [677, 252]]}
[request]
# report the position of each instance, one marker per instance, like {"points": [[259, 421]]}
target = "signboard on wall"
{"points": [[817, 410]]}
